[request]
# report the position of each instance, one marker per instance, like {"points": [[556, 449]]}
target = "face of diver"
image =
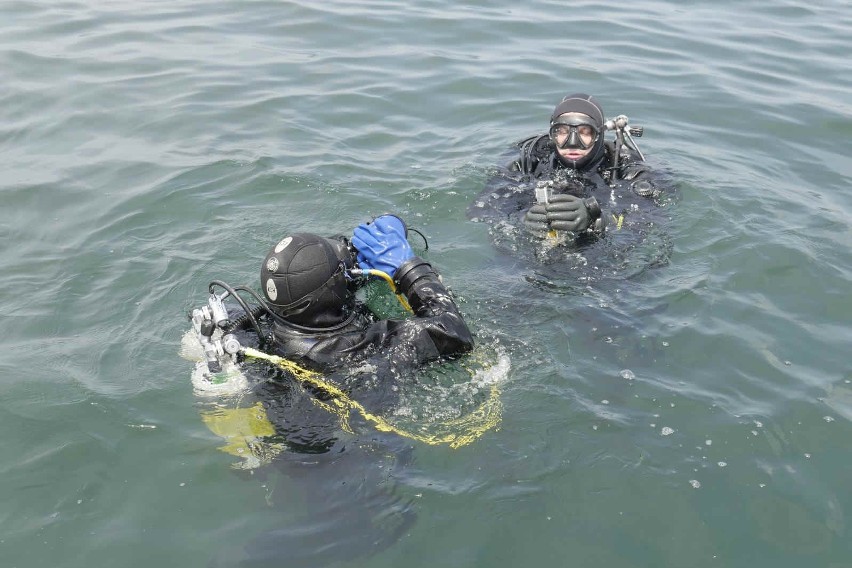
{"points": [[574, 135]]}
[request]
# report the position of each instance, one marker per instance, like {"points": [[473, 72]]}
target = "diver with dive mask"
{"points": [[578, 178], [574, 131]]}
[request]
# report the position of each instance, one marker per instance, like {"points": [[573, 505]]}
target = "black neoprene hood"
{"points": [[585, 104], [303, 281]]}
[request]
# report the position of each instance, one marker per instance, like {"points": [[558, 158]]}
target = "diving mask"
{"points": [[575, 131]]}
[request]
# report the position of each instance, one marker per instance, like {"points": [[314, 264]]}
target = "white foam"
{"points": [[495, 374], [228, 382], [190, 348]]}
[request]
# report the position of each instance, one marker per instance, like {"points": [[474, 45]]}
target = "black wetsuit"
{"points": [[621, 192], [436, 330]]}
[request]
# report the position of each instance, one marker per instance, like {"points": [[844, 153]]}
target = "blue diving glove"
{"points": [[381, 244]]}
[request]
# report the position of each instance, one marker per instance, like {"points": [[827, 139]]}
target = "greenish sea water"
{"points": [[697, 413]]}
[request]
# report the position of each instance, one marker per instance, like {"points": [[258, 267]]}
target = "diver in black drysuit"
{"points": [[309, 282], [308, 287], [309, 315], [592, 185], [605, 220]]}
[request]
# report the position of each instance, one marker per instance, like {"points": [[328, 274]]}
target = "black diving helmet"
{"points": [[305, 281]]}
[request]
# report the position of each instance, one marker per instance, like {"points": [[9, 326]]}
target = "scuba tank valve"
{"points": [[207, 322], [230, 344], [217, 309], [623, 133]]}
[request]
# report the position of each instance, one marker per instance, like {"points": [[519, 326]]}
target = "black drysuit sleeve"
{"points": [[436, 330]]}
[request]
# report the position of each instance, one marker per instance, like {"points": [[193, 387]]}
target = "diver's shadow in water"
{"points": [[343, 485], [349, 510]]}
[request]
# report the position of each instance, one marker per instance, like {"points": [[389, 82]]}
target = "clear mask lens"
{"points": [[574, 134]]}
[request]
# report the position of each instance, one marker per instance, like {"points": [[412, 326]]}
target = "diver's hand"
{"points": [[570, 213], [535, 219], [381, 244]]}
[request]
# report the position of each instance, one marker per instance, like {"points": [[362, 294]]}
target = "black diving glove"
{"points": [[535, 219], [571, 213]]}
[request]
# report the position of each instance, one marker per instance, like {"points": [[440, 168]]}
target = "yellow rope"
{"points": [[456, 432]]}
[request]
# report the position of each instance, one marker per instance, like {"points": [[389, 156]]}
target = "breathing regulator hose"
{"points": [[387, 278], [243, 305], [242, 321]]}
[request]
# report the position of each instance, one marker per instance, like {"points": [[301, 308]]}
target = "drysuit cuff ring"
{"points": [[594, 208], [410, 272]]}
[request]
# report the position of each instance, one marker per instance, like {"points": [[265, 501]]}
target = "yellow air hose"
{"points": [[456, 432], [387, 278]]}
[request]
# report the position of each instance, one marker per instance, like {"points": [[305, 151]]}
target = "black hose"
{"points": [[243, 305], [422, 236], [619, 141], [526, 159], [263, 305], [240, 322]]}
